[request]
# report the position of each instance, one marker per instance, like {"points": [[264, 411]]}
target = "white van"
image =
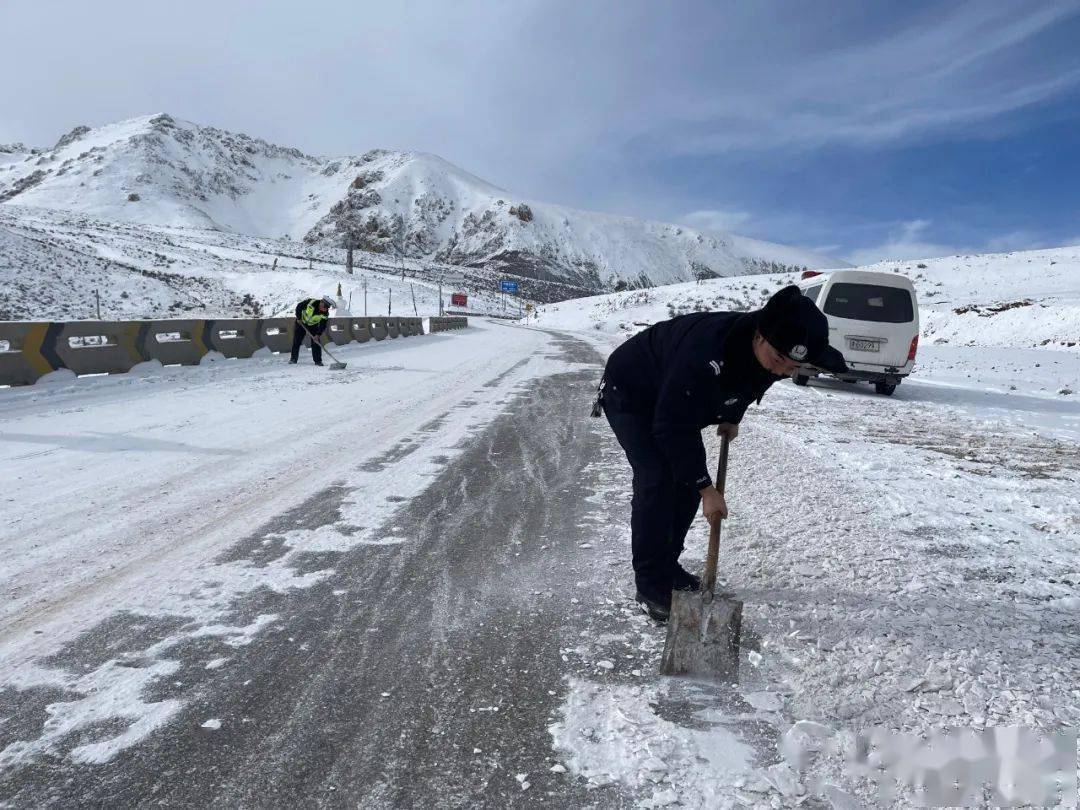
{"points": [[873, 322]]}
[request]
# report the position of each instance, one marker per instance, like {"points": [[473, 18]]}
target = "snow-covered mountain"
{"points": [[160, 171]]}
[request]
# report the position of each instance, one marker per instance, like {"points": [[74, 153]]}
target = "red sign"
{"points": [[459, 300]]}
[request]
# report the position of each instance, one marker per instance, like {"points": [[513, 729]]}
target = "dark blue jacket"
{"points": [[689, 372]]}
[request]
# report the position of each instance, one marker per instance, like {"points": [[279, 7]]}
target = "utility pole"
{"points": [[401, 245], [97, 301], [412, 290], [365, 297], [440, 295], [350, 238], [389, 300]]}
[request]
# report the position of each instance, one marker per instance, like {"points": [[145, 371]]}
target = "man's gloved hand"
{"points": [[713, 505], [727, 429]]}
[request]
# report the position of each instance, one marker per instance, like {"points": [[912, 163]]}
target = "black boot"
{"points": [[657, 608], [683, 580]]}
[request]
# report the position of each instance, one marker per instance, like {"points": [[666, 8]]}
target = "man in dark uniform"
{"points": [[312, 317], [664, 385]]}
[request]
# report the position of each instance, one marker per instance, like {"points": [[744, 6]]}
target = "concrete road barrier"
{"points": [[339, 331], [97, 347], [23, 359], [232, 337], [178, 342], [361, 329], [31, 349], [276, 334], [446, 323]]}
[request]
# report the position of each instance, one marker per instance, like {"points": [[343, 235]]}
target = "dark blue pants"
{"points": [[661, 510], [298, 340]]}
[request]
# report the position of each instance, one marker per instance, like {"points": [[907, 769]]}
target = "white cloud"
{"points": [[923, 74], [908, 240], [1019, 240], [714, 219], [905, 242]]}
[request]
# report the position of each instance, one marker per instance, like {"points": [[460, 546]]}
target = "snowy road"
{"points": [[111, 483], [374, 685], [439, 610]]}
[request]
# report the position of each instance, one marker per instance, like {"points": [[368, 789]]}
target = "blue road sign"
{"points": [[508, 286]]}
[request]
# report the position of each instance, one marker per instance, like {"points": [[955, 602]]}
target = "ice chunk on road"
{"points": [[765, 701], [612, 733]]}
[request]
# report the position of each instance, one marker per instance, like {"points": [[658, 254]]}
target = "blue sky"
{"points": [[868, 130]]}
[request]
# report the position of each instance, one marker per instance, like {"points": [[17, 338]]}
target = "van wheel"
{"points": [[800, 379], [885, 389]]}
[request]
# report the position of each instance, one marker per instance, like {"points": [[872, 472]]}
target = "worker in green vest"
{"points": [[312, 317]]}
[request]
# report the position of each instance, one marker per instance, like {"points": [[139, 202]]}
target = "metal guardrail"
{"points": [[31, 349]]}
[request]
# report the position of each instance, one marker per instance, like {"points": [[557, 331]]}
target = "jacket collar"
{"points": [[737, 351]]}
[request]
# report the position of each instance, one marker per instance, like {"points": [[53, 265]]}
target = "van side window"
{"points": [[869, 302], [812, 292]]}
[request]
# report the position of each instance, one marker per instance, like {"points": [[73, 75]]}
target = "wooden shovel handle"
{"points": [[708, 581]]}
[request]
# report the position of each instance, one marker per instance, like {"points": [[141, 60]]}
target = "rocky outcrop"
{"points": [[72, 136], [522, 212]]}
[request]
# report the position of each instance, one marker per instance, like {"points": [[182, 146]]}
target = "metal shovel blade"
{"points": [[337, 366], [704, 626], [703, 636]]}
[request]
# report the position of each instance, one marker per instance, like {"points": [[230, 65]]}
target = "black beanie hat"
{"points": [[796, 328]]}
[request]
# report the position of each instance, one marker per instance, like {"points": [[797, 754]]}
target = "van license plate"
{"points": [[864, 345]]}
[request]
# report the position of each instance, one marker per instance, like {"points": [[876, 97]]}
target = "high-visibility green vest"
{"points": [[311, 316]]}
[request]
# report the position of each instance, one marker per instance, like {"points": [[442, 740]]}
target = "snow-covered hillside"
{"points": [[1006, 322], [156, 170], [52, 262], [1025, 299]]}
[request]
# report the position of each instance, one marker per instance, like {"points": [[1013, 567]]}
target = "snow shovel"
{"points": [[337, 365], [703, 629]]}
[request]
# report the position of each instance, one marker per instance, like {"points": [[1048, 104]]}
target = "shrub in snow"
{"points": [[133, 197]]}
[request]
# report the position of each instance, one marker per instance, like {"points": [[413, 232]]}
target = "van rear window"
{"points": [[869, 302]]}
